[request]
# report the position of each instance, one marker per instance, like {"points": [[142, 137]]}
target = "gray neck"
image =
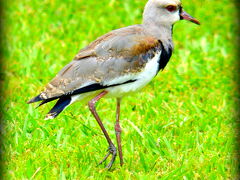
{"points": [[157, 24], [160, 31]]}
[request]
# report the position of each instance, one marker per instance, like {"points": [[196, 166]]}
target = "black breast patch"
{"points": [[164, 57]]}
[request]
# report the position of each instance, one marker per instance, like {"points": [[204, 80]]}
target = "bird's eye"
{"points": [[171, 8]]}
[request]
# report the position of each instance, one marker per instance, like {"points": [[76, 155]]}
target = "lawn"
{"points": [[181, 126]]}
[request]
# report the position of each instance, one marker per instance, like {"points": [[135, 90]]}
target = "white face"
{"points": [[165, 12]]}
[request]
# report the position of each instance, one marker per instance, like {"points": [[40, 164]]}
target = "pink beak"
{"points": [[186, 16]]}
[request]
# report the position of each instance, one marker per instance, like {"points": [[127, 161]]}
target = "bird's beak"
{"points": [[186, 16]]}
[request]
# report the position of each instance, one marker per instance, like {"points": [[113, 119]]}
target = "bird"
{"points": [[115, 65]]}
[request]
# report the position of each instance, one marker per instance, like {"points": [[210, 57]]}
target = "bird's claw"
{"points": [[111, 150]]}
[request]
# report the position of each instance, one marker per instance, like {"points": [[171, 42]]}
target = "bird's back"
{"points": [[119, 52]]}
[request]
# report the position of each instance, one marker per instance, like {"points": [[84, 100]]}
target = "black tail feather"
{"points": [[35, 99], [44, 102], [58, 107]]}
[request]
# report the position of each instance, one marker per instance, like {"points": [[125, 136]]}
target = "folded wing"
{"points": [[120, 52]]}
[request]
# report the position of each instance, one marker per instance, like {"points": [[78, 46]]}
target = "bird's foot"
{"points": [[111, 150]]}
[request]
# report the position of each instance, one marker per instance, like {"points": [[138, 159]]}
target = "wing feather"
{"points": [[120, 52]]}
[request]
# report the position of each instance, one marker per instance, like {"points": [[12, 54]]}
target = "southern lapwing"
{"points": [[116, 64]]}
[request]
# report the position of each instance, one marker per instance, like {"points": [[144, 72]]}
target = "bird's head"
{"points": [[166, 12]]}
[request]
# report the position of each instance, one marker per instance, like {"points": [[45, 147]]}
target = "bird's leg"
{"points": [[118, 131], [112, 149]]}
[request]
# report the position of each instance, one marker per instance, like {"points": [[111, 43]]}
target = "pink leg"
{"points": [[118, 131], [112, 149]]}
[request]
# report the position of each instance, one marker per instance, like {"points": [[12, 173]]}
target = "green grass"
{"points": [[181, 126]]}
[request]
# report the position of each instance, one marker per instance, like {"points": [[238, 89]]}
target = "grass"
{"points": [[181, 126]]}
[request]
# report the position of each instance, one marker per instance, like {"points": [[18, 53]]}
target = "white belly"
{"points": [[142, 79]]}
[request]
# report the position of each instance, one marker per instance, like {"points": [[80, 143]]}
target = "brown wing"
{"points": [[119, 52], [132, 40]]}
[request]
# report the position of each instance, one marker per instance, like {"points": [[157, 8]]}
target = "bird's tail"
{"points": [[61, 104]]}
